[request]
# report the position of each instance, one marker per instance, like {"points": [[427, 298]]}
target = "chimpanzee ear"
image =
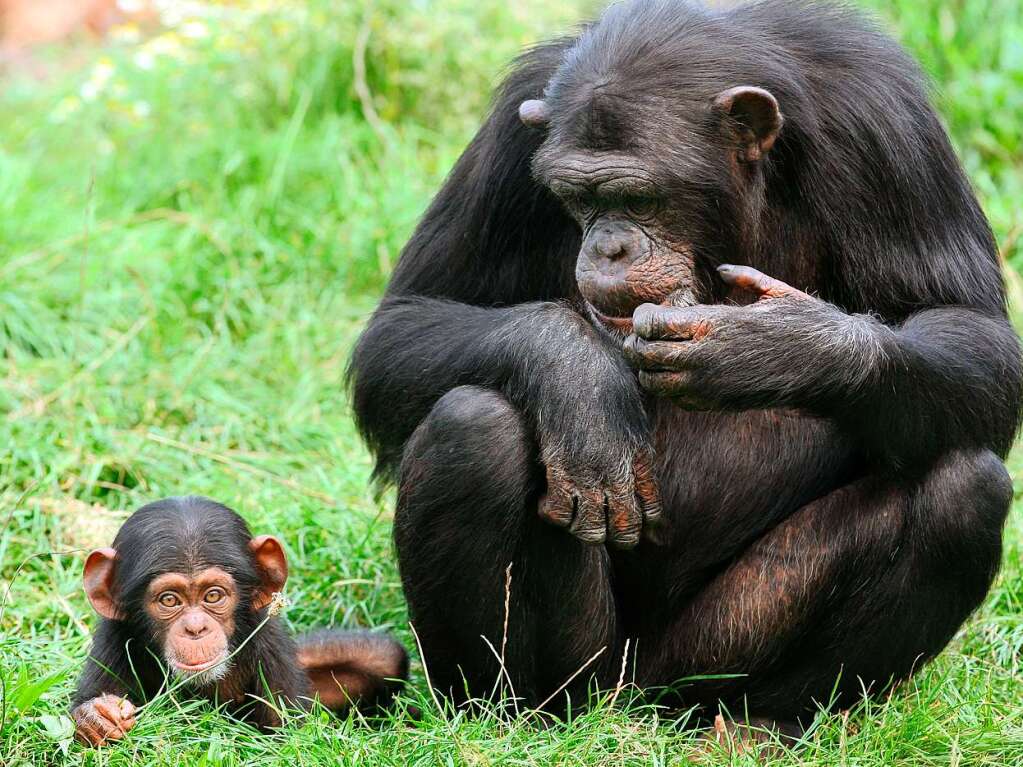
{"points": [[754, 116], [534, 113], [272, 565], [98, 578]]}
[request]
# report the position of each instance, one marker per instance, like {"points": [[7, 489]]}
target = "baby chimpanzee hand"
{"points": [[107, 717]]}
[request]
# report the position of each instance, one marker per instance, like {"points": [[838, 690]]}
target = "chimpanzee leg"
{"points": [[467, 500], [860, 587]]}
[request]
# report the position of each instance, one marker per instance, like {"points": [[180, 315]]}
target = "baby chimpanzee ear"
{"points": [[272, 566], [755, 117], [98, 577]]}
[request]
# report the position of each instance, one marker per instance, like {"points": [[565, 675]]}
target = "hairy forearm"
{"points": [[539, 354], [106, 671], [946, 378]]}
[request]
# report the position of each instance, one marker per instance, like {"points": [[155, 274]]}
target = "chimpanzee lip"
{"points": [[197, 668], [611, 322]]}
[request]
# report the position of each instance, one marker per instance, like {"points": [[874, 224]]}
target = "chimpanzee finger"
{"points": [[624, 521], [110, 710], [653, 322], [676, 386], [648, 495], [755, 281], [590, 523], [87, 734], [557, 507], [127, 709], [656, 355], [665, 383], [558, 504]]}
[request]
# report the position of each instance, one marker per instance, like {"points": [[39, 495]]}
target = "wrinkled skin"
{"points": [[617, 513], [102, 719], [709, 357]]}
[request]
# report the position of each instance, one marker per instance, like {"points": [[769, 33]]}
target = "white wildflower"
{"points": [[194, 30], [278, 603], [144, 59], [98, 79], [89, 91]]}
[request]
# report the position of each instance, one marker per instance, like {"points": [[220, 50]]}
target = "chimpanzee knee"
{"points": [[469, 484], [977, 478], [473, 443], [958, 515]]}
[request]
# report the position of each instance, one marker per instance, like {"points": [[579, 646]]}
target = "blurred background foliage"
{"points": [[320, 128]]}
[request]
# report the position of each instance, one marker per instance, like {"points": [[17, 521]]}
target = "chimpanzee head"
{"points": [[658, 124], [189, 579]]}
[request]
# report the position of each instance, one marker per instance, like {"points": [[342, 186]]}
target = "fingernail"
{"points": [[724, 268]]}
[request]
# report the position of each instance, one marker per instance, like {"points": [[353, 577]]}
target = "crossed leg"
{"points": [[859, 586], [852, 592], [467, 499]]}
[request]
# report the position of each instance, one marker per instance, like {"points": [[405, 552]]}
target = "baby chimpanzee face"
{"points": [[192, 617], [196, 595]]}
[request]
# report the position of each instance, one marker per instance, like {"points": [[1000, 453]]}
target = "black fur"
{"points": [[189, 534], [182, 535], [838, 509]]}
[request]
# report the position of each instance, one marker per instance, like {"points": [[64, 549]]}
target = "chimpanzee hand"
{"points": [[592, 432], [107, 717], [787, 348], [614, 507]]}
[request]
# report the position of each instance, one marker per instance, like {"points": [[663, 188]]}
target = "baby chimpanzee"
{"points": [[182, 591]]}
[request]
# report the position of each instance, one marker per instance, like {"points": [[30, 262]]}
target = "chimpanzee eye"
{"points": [[213, 596], [169, 599], [641, 207], [582, 206]]}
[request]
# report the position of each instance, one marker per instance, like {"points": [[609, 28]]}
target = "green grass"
{"points": [[184, 264]]}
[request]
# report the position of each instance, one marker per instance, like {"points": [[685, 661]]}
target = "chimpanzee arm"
{"points": [[947, 378], [108, 670], [482, 295], [576, 393], [104, 704], [492, 237], [944, 377]]}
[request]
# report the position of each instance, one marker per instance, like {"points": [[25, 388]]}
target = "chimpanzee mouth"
{"points": [[195, 668], [200, 674], [613, 323]]}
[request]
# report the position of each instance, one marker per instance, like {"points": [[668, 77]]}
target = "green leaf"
{"points": [[25, 693]]}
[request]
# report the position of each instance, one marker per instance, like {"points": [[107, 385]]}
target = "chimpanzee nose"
{"points": [[610, 246], [195, 626]]}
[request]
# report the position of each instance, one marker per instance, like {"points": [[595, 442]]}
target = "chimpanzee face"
{"points": [[654, 191], [630, 253], [192, 618], [188, 601]]}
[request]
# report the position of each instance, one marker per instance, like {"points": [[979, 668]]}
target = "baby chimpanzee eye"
{"points": [[169, 599], [213, 596]]}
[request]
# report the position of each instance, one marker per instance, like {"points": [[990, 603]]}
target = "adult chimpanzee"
{"points": [[831, 496], [185, 591]]}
